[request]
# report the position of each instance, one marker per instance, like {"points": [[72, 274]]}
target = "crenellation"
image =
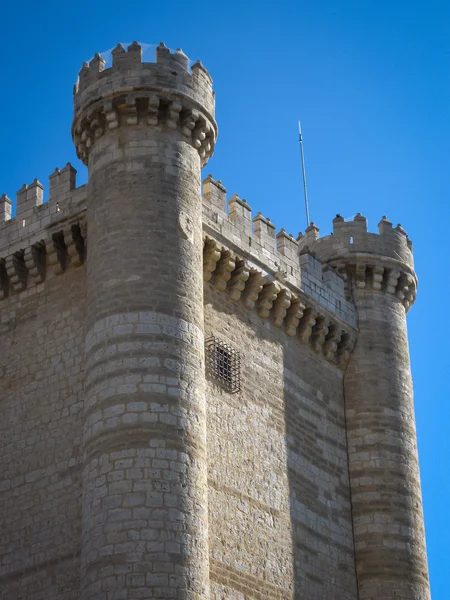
{"points": [[28, 197], [166, 59], [287, 245], [276, 254], [61, 182], [118, 55], [5, 208], [35, 217], [310, 236], [240, 214], [350, 238], [97, 64], [265, 231], [180, 57], [215, 193]]}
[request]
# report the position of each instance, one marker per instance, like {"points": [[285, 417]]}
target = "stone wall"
{"points": [[41, 402], [280, 522]]}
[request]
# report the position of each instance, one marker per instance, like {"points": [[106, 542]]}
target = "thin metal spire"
{"points": [[305, 191]]}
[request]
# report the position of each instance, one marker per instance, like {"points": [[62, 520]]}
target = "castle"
{"points": [[194, 406]]}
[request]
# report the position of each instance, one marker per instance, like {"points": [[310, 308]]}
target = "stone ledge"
{"points": [[283, 304]]}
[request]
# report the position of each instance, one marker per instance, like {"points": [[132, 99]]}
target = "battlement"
{"points": [[34, 217], [350, 238], [380, 262], [131, 92], [276, 255], [127, 65]]}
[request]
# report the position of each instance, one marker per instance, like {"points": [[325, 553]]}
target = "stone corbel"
{"points": [[236, 283], [211, 256], [17, 271], [293, 316], [266, 299], [360, 276], [345, 348], [111, 115], [306, 324], [188, 122], [331, 343], [280, 307], [253, 288], [174, 114], [56, 251], [224, 269], [392, 281], [377, 277], [35, 261], [152, 111], [319, 334]]}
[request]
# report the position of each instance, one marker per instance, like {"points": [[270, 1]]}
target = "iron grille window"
{"points": [[224, 364]]}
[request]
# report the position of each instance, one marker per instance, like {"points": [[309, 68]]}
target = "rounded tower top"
{"points": [[165, 93], [378, 261]]}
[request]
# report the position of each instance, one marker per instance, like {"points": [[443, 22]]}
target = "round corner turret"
{"points": [[131, 92], [378, 261]]}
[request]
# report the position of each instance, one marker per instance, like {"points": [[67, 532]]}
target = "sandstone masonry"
{"points": [[194, 406]]}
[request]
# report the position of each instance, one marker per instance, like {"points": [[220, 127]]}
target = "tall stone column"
{"points": [[144, 130], [386, 498]]}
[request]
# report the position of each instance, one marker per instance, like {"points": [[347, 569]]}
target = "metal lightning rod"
{"points": [[305, 191]]}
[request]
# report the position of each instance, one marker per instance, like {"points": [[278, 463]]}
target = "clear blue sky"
{"points": [[370, 81]]}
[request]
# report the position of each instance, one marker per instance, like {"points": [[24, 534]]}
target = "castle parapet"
{"points": [[382, 262], [5, 208], [352, 237], [35, 219], [165, 92], [257, 247], [28, 197]]}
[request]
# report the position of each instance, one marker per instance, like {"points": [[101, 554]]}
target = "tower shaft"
{"points": [[383, 466], [390, 555], [144, 506]]}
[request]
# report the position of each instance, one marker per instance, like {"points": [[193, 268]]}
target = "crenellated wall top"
{"points": [[352, 238], [275, 254], [34, 217], [380, 262], [318, 268], [170, 72], [164, 93]]}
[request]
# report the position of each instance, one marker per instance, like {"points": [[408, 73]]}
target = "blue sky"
{"points": [[370, 81]]}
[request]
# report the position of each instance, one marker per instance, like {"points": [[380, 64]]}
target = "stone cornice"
{"points": [[151, 108], [62, 246], [378, 273], [166, 93], [278, 302]]}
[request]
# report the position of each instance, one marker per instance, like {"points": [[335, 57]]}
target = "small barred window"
{"points": [[224, 364]]}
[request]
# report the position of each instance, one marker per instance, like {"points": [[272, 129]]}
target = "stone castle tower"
{"points": [[192, 406]]}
